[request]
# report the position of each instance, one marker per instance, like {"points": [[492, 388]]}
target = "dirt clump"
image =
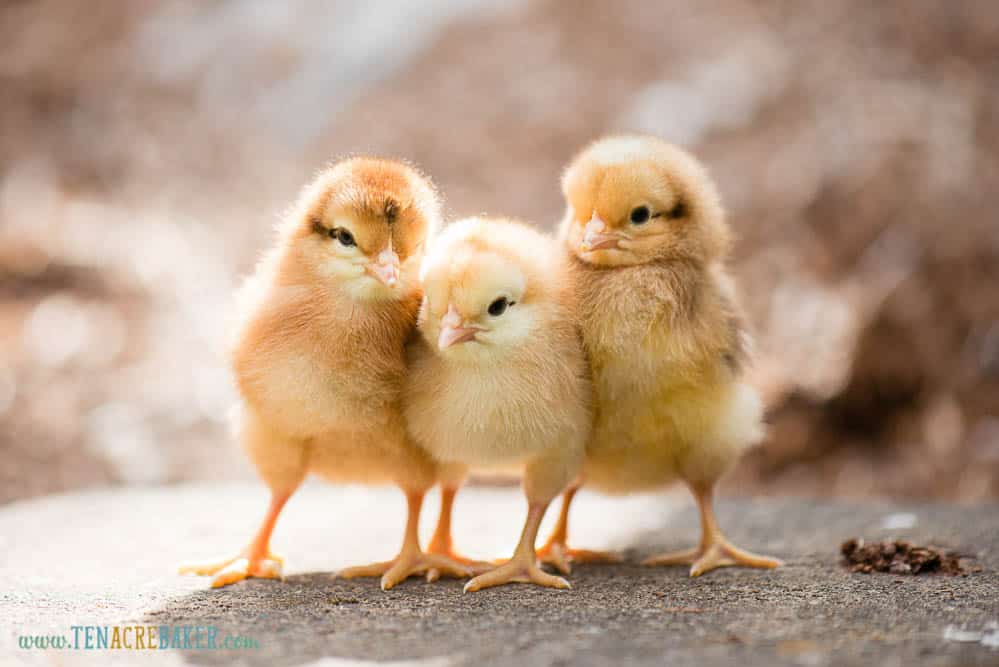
{"points": [[898, 557]]}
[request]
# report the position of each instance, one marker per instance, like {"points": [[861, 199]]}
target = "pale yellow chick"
{"points": [[498, 379], [319, 356], [663, 332]]}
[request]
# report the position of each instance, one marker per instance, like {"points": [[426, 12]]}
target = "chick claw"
{"points": [[516, 571], [560, 556], [719, 553], [407, 565], [238, 568]]}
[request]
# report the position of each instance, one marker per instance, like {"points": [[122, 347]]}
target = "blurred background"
{"points": [[146, 150]]}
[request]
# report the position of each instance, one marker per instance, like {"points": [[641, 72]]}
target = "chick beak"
{"points": [[385, 268], [595, 236], [453, 330]]}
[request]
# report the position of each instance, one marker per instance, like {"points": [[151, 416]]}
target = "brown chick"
{"points": [[499, 380], [663, 332], [319, 354]]}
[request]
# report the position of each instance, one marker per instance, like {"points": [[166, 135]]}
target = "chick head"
{"points": [[363, 223], [635, 200], [487, 290]]}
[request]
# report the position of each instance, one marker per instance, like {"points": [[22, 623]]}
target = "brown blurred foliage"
{"points": [[147, 148]]}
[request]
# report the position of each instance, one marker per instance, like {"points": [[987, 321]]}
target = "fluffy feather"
{"points": [[517, 394], [659, 317], [513, 391], [319, 353], [662, 328], [319, 358]]}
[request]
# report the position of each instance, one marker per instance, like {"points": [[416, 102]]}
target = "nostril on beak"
{"points": [[595, 225], [454, 330], [386, 273], [596, 236]]}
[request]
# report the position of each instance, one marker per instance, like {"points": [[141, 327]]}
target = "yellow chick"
{"points": [[663, 332], [319, 356], [498, 379]]}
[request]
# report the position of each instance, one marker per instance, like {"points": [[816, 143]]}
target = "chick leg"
{"points": [[523, 567], [557, 553], [442, 543], [715, 550], [544, 478], [412, 560], [256, 560]]}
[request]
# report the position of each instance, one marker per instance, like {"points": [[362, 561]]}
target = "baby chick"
{"points": [[499, 378], [319, 356], [663, 331]]}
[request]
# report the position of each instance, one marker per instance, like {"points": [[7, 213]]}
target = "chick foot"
{"points": [[523, 567], [407, 564], [238, 568], [443, 547], [721, 553], [715, 550], [471, 563], [255, 561], [560, 556], [442, 544], [412, 560], [516, 570], [472, 567]]}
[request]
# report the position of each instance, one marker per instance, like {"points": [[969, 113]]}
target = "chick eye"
{"points": [[640, 215], [499, 306], [345, 238]]}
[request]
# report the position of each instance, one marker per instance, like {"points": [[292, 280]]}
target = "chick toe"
{"points": [[557, 553], [561, 556], [523, 567], [256, 560], [715, 550], [207, 567], [442, 542], [230, 570], [517, 570], [246, 568], [719, 552], [681, 557], [409, 564], [724, 554], [361, 571], [446, 550], [412, 560], [434, 566]]}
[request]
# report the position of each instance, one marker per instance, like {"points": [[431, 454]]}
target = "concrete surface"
{"points": [[107, 557]]}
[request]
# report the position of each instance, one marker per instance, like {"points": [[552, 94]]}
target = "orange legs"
{"points": [[715, 550], [557, 553], [412, 560], [256, 560], [523, 567], [441, 542]]}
